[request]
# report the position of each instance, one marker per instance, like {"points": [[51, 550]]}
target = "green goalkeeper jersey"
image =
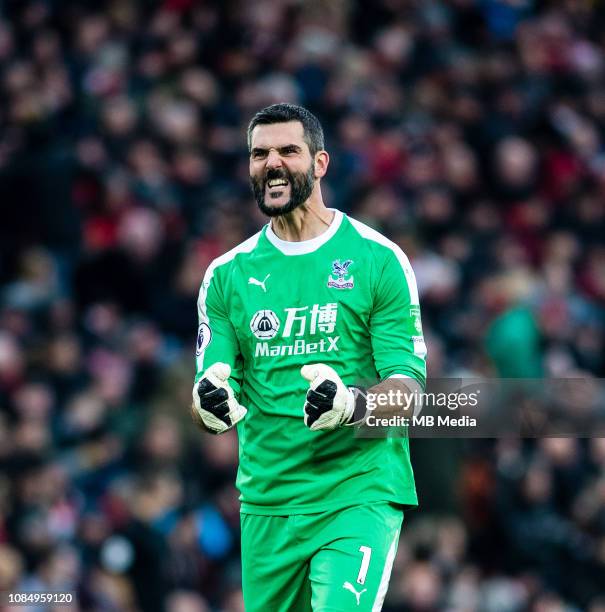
{"points": [[346, 298]]}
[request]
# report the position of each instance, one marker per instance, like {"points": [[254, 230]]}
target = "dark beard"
{"points": [[301, 186]]}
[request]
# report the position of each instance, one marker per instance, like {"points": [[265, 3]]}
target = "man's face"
{"points": [[281, 168]]}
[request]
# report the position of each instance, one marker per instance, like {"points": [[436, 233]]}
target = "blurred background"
{"points": [[471, 132]]}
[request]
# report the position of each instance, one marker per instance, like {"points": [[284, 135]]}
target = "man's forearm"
{"points": [[391, 397]]}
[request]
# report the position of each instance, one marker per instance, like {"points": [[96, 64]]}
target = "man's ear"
{"points": [[321, 162]]}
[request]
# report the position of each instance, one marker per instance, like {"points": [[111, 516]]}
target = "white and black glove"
{"points": [[214, 401], [329, 403]]}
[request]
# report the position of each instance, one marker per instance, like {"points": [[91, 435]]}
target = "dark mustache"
{"points": [[274, 173]]}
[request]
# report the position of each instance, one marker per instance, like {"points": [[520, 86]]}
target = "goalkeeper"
{"points": [[289, 320]]}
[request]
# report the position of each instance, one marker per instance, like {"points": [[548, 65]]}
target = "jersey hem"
{"points": [[407, 500]]}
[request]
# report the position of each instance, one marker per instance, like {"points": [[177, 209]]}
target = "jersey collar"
{"points": [[305, 246]]}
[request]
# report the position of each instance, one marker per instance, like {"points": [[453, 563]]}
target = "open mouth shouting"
{"points": [[276, 188], [280, 191]]}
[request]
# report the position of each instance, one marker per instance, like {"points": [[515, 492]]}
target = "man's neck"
{"points": [[304, 223]]}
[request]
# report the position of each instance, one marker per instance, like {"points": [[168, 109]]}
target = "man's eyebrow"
{"points": [[280, 149]]}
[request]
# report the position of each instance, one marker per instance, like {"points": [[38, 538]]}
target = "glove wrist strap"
{"points": [[358, 414]]}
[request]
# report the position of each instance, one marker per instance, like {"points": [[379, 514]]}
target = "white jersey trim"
{"points": [[371, 234], [287, 247]]}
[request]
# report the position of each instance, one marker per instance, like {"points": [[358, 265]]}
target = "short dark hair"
{"points": [[282, 113]]}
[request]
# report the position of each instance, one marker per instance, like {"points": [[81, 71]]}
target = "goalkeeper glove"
{"points": [[213, 399], [329, 403]]}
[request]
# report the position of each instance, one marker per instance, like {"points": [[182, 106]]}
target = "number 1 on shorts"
{"points": [[366, 551]]}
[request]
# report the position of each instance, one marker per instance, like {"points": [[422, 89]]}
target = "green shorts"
{"points": [[335, 561]]}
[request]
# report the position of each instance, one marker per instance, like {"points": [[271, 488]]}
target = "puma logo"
{"points": [[349, 587], [254, 281]]}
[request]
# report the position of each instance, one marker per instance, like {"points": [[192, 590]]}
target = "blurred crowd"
{"points": [[471, 132]]}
